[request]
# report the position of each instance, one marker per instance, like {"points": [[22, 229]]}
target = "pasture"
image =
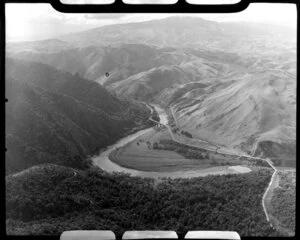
{"points": [[140, 155]]}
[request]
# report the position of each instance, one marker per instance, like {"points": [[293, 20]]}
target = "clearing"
{"points": [[139, 154]]}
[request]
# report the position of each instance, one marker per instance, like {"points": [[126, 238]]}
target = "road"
{"points": [[268, 189], [25, 171], [28, 170], [234, 155]]}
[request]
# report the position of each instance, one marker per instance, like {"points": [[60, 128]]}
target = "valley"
{"points": [[140, 131], [135, 154]]}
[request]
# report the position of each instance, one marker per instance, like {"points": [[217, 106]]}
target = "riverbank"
{"points": [[141, 161], [140, 155]]}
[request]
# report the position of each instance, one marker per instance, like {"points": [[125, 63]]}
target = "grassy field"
{"points": [[140, 155], [155, 152]]}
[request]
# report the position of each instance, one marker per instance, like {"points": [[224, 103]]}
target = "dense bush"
{"points": [[55, 117], [187, 134], [284, 201], [97, 200], [187, 152]]}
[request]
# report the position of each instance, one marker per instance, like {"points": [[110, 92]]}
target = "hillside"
{"points": [[256, 113], [149, 85], [172, 31], [146, 85], [92, 62], [128, 49], [46, 200], [55, 117], [125, 60]]}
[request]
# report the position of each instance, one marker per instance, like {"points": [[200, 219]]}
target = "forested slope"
{"points": [[56, 117], [118, 202]]}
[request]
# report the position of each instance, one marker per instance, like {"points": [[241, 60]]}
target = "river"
{"points": [[103, 161]]}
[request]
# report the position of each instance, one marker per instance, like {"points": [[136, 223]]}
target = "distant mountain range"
{"points": [[128, 49]]}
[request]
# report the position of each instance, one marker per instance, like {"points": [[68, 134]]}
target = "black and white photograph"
{"points": [[150, 121]]}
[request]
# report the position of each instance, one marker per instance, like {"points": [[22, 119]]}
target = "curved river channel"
{"points": [[103, 161]]}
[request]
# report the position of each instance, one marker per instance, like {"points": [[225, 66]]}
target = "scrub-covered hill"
{"points": [[256, 113]]}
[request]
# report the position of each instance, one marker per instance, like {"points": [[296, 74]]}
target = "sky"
{"points": [[31, 22]]}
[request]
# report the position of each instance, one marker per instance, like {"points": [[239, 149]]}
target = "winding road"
{"points": [[36, 167], [239, 156], [268, 189]]}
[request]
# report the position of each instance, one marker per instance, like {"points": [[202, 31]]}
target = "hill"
{"points": [[55, 117], [256, 113], [128, 49], [46, 200]]}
